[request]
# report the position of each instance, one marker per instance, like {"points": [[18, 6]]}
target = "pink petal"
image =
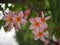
{"points": [[6, 24], [41, 29], [21, 14], [38, 19], [42, 38], [23, 21], [32, 26], [5, 17], [10, 13], [47, 17], [42, 14], [32, 20], [46, 34], [36, 37], [17, 25], [35, 32], [46, 42], [37, 28], [10, 27], [44, 25], [27, 12]]}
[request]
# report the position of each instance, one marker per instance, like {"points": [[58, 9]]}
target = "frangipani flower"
{"points": [[44, 19], [36, 24], [19, 20], [9, 18], [40, 35]]}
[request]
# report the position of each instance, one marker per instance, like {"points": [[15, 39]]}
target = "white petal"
{"points": [[42, 14], [6, 24], [47, 17]]}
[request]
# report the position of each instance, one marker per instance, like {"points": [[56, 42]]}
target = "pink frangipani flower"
{"points": [[36, 24], [40, 35], [44, 20], [19, 20], [9, 18]]}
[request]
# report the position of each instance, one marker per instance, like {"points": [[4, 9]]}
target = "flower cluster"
{"points": [[15, 19], [38, 25]]}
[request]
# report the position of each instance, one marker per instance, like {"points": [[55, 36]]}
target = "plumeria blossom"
{"points": [[9, 18], [40, 35], [19, 20], [36, 24], [27, 12], [45, 25]]}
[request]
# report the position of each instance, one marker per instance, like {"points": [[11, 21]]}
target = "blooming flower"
{"points": [[19, 20], [36, 23], [9, 20], [45, 25], [44, 19], [40, 35]]}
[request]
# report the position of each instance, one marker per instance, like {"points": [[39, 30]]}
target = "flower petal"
{"points": [[6, 24], [10, 13], [10, 27], [5, 17], [17, 26], [42, 14], [35, 32], [23, 21], [27, 12], [44, 25], [47, 17], [21, 14], [32, 26], [46, 34], [42, 38], [38, 19], [32, 20], [36, 37], [46, 42]]}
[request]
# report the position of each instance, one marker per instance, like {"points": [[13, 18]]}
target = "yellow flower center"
{"points": [[40, 34], [18, 19]]}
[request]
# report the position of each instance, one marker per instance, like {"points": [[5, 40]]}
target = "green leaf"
{"points": [[2, 23]]}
